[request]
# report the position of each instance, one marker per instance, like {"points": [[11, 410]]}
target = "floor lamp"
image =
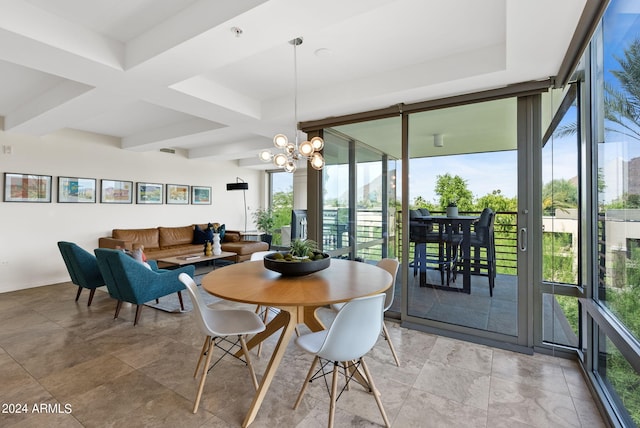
{"points": [[240, 184]]}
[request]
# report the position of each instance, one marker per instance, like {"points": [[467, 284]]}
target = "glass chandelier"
{"points": [[291, 152]]}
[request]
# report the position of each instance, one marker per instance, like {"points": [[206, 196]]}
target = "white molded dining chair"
{"points": [[217, 325], [352, 334], [391, 266], [259, 255]]}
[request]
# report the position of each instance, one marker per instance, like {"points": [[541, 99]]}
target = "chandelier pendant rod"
{"points": [[297, 41]]}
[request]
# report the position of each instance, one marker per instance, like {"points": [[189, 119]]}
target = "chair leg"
{"points": [[334, 395], [78, 293], [492, 276], [388, 339], [345, 369], [93, 291], [181, 302], [264, 320], [205, 369], [243, 343], [138, 310], [118, 306], [306, 382], [375, 392], [204, 350]]}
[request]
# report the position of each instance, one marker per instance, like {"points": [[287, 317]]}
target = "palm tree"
{"points": [[622, 106]]}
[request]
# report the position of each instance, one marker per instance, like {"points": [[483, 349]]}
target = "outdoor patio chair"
{"points": [[482, 244]]}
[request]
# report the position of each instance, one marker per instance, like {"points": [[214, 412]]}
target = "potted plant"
{"points": [[263, 218], [303, 248], [452, 209], [302, 258]]}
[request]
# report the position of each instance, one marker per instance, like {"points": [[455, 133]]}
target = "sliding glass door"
{"points": [[467, 155]]}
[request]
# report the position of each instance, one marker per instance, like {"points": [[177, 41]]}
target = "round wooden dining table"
{"points": [[298, 298]]}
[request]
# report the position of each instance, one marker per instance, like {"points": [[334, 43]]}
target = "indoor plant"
{"points": [[302, 258], [265, 222], [303, 248]]}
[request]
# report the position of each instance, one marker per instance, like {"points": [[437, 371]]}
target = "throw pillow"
{"points": [[221, 230], [201, 236], [138, 255]]}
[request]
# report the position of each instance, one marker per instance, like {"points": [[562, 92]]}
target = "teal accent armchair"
{"points": [[82, 267], [130, 281]]}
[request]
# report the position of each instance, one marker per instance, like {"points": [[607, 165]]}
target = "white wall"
{"points": [[29, 256]]}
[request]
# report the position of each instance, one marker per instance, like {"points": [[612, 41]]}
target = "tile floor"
{"points": [[80, 367]]}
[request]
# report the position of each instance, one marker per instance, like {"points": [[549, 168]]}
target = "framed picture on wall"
{"points": [[116, 192], [177, 194], [27, 187], [201, 195], [149, 193], [76, 190]]}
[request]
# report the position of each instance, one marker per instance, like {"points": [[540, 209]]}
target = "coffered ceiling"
{"points": [[173, 74]]}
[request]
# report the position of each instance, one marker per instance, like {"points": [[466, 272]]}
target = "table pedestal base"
{"points": [[288, 318]]}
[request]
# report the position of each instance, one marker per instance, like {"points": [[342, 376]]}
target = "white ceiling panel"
{"points": [[159, 72]]}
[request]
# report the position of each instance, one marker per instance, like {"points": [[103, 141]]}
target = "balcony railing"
{"points": [[369, 236]]}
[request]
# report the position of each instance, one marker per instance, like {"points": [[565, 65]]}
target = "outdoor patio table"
{"points": [[453, 225]]}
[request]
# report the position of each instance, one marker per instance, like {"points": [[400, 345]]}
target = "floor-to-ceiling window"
{"points": [[359, 197], [613, 357], [281, 204], [474, 161], [557, 296]]}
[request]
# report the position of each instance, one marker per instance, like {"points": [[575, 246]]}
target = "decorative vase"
{"points": [[208, 248], [452, 211], [217, 249]]}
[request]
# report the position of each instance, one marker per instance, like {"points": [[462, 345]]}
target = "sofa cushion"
{"points": [[150, 238], [175, 236], [178, 250], [242, 248], [201, 236], [231, 236]]}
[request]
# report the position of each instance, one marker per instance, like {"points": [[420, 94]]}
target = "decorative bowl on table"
{"points": [[287, 265]]}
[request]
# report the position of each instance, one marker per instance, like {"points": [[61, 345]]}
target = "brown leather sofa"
{"points": [[160, 242]]}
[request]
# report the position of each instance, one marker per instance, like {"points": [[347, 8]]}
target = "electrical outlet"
{"points": [[4, 262]]}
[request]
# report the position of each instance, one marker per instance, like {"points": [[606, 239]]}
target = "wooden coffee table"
{"points": [[190, 259]]}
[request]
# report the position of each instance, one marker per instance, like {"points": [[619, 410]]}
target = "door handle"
{"points": [[522, 239]]}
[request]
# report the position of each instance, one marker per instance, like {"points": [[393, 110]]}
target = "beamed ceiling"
{"points": [[172, 73]]}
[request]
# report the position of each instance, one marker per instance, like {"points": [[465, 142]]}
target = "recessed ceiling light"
{"points": [[322, 52]]}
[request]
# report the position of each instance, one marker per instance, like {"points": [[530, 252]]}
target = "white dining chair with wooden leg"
{"points": [[391, 266], [218, 325], [352, 334]]}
